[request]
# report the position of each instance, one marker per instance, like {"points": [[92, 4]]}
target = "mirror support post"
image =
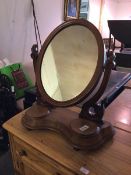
{"points": [[92, 109], [34, 56]]}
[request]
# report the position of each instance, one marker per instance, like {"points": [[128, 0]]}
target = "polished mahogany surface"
{"points": [[128, 85], [119, 111]]}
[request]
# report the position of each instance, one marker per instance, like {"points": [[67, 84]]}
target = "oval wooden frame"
{"points": [[97, 74]]}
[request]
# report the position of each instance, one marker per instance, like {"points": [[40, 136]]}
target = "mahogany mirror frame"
{"points": [[97, 74]]}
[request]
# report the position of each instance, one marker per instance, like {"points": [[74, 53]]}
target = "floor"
{"points": [[6, 166]]}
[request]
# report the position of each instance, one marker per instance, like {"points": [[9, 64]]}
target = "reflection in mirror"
{"points": [[69, 63]]}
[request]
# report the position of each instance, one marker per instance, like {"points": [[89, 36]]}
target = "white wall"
{"points": [[94, 12], [109, 13], [115, 10], [124, 10], [16, 28]]}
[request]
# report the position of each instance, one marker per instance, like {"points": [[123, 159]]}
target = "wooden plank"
{"points": [[128, 85], [123, 126], [120, 109]]}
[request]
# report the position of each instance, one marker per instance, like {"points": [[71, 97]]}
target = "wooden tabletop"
{"points": [[113, 158], [120, 109], [128, 85]]}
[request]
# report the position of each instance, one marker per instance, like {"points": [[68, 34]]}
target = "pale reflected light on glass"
{"points": [[69, 63]]}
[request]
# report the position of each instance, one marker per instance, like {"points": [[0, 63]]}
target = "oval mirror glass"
{"points": [[69, 62]]}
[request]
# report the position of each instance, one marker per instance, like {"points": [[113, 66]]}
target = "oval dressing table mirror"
{"points": [[71, 67]]}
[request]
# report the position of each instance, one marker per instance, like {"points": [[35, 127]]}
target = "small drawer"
{"points": [[31, 160]]}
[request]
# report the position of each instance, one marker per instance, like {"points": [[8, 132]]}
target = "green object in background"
{"points": [[10, 70]]}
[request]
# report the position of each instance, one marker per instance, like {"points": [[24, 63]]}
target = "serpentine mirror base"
{"points": [[80, 133]]}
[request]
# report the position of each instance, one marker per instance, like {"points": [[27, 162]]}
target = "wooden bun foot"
{"points": [[34, 115]]}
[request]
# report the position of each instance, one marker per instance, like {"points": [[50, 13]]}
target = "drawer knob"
{"points": [[57, 173], [22, 153]]}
